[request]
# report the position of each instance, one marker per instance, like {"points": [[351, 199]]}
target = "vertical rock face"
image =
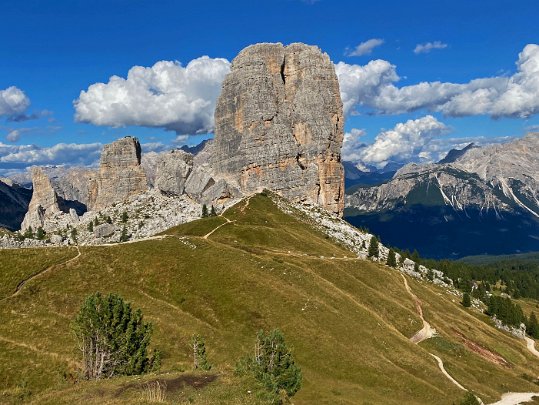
{"points": [[120, 174], [44, 203], [279, 125], [172, 170]]}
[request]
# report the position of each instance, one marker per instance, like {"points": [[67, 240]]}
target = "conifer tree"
{"points": [[533, 326], [113, 338], [29, 233], [125, 217], [200, 360], [213, 213], [466, 300], [373, 247], [124, 237], [274, 366], [90, 226], [40, 234], [391, 259], [204, 211]]}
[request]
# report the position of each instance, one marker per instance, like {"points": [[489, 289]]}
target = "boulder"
{"points": [[172, 171], [104, 230]]}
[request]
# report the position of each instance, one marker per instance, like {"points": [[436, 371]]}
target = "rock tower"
{"points": [[279, 125]]}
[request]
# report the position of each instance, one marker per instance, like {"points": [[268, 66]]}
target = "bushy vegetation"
{"points": [[200, 359], [113, 338], [273, 366]]}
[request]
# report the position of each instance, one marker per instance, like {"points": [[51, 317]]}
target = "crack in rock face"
{"points": [[279, 125]]}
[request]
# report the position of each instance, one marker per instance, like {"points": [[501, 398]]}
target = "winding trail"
{"points": [[530, 344], [515, 398], [442, 368], [23, 282], [509, 398], [427, 331]]}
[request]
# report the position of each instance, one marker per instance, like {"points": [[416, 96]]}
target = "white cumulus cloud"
{"points": [[429, 46], [18, 156], [372, 88], [365, 48], [13, 102], [166, 95], [403, 143], [352, 145]]}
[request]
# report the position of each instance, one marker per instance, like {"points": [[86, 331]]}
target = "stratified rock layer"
{"points": [[279, 125], [120, 174], [44, 203]]}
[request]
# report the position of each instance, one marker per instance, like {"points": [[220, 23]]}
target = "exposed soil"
{"points": [[480, 350]]}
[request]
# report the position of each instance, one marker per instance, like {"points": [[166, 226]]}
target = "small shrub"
{"points": [[273, 366], [125, 217], [200, 360]]}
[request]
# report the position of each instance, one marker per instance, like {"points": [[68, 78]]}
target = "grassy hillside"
{"points": [[349, 321]]}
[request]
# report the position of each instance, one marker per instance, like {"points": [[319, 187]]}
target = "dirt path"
{"points": [[427, 331], [516, 398], [40, 273], [442, 368], [530, 344], [228, 221]]}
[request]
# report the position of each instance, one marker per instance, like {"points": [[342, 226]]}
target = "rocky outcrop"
{"points": [[120, 174], [44, 203], [75, 186], [172, 170], [279, 125]]}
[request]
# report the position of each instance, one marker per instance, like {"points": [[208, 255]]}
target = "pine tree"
{"points": [[29, 233], [113, 338], [90, 226], [96, 221], [200, 360], [204, 211], [124, 237], [466, 300], [213, 213], [40, 234], [74, 235], [125, 217], [533, 326], [373, 247], [391, 259], [273, 365]]}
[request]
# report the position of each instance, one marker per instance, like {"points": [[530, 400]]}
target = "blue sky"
{"points": [[53, 50]]}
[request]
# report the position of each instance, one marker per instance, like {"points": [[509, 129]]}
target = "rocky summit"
{"points": [[279, 125], [120, 173], [44, 203]]}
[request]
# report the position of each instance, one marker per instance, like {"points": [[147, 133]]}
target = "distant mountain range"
{"points": [[14, 201], [476, 200]]}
